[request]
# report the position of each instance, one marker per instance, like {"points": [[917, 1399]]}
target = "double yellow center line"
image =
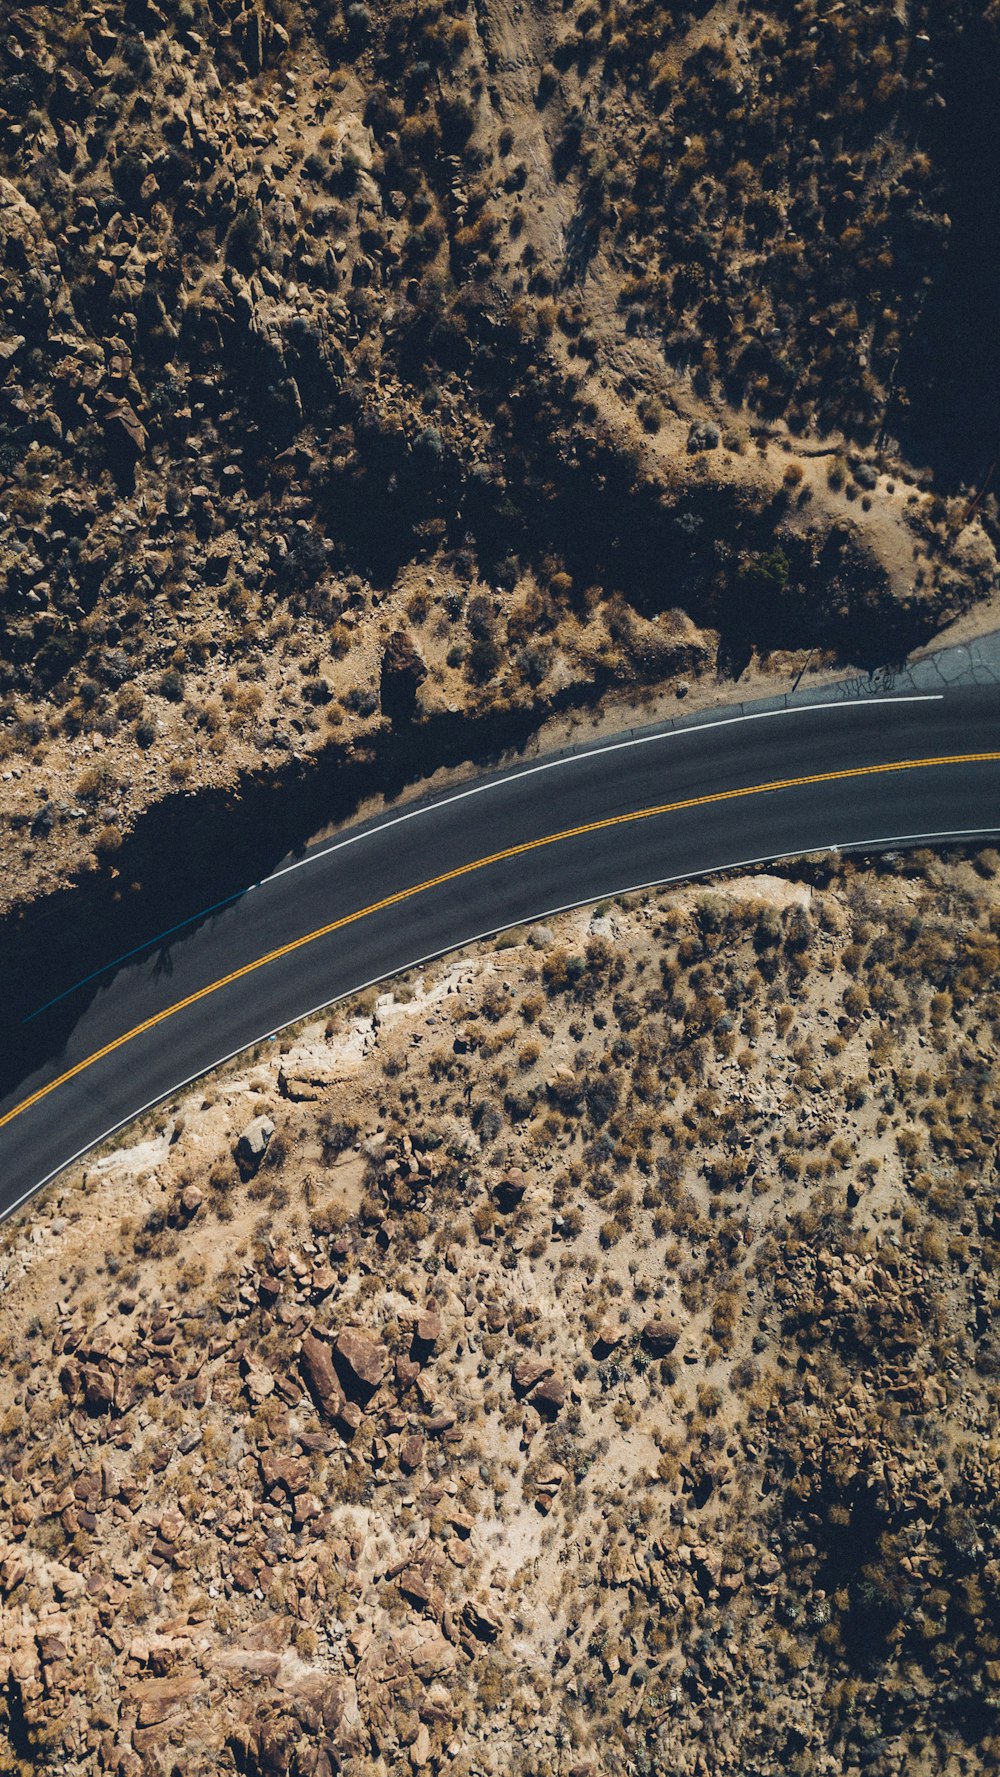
{"points": [[497, 857]]}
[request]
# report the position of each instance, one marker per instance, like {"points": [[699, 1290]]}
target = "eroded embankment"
{"points": [[191, 851], [188, 852]]}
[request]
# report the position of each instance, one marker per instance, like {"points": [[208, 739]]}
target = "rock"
{"points": [[551, 1477], [305, 1507], [252, 1145], [403, 673], [349, 1418], [426, 1649], [119, 362], [363, 1360], [660, 1336], [123, 428], [528, 1372], [246, 1663], [323, 1280], [414, 1586], [258, 1380], [301, 1088], [428, 1330], [316, 1361], [215, 565], [420, 1751], [311, 1441], [411, 1452], [9, 349], [438, 1424], [510, 1190], [191, 1200], [98, 1389], [484, 1622], [549, 1395], [158, 1698], [66, 1581], [284, 1471], [609, 1336]]}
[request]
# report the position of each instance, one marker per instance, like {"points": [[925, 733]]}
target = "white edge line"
{"points": [[612, 746], [636, 888]]}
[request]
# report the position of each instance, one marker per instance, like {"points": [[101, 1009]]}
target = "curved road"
{"points": [[866, 772]]}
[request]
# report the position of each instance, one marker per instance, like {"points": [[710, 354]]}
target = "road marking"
{"points": [[460, 870], [417, 962], [611, 746], [513, 775]]}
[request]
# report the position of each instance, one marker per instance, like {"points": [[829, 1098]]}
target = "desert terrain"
{"points": [[577, 1359], [433, 369]]}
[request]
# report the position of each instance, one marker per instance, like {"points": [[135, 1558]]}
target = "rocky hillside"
{"points": [[580, 1361], [364, 363]]}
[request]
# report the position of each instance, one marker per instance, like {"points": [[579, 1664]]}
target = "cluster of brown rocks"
{"points": [[432, 1476], [309, 1397]]}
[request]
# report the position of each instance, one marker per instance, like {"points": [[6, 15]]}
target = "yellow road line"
{"points": [[497, 857]]}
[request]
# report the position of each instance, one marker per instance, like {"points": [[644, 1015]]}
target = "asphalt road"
{"points": [[513, 847]]}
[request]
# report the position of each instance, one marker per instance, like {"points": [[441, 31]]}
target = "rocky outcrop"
{"points": [[362, 1361], [540, 1383], [252, 1145], [660, 1336], [316, 1361]]}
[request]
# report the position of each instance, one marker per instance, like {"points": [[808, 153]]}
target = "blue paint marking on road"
{"points": [[126, 956]]}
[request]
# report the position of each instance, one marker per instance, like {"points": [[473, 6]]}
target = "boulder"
{"points": [[509, 1191], [483, 1621], [9, 349], [158, 1698], [252, 1145], [98, 1389], [247, 1663], [439, 1423], [660, 1336], [323, 1280], [528, 1372], [316, 1361], [363, 1360], [258, 1380], [284, 1471], [349, 1418], [305, 1507], [424, 1647], [119, 362], [123, 428], [549, 1395], [428, 1330], [411, 1452]]}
